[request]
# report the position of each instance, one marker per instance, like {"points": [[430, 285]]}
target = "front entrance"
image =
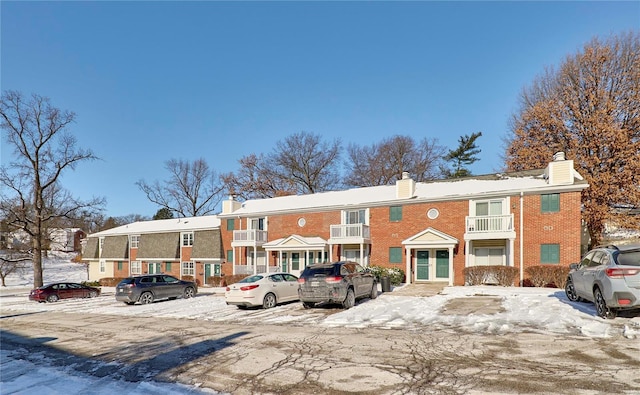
{"points": [[155, 268], [422, 265]]}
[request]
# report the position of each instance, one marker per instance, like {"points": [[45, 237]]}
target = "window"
{"points": [[229, 255], [136, 267], [355, 217], [231, 224], [101, 243], [257, 224], [103, 266], [187, 239], [550, 253], [395, 254], [134, 241], [489, 256], [550, 203], [493, 207], [119, 265], [167, 267], [395, 213], [188, 269]]}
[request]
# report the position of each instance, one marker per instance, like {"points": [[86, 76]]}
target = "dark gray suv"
{"points": [[147, 288], [338, 282]]}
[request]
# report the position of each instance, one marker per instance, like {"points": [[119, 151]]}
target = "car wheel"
{"points": [[601, 306], [52, 298], [308, 305], [349, 300], [129, 303], [374, 291], [269, 301], [146, 298], [570, 291], [188, 293], [93, 294]]}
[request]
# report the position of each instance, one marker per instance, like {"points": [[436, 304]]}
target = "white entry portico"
{"points": [[429, 256], [295, 252]]}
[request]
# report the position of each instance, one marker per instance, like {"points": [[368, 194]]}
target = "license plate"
{"points": [[315, 284]]}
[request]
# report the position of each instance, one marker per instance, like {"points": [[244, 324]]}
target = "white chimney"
{"points": [[406, 187]]}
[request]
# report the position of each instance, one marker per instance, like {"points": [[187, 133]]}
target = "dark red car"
{"points": [[57, 291]]}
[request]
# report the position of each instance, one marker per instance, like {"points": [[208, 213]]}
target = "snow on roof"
{"points": [[500, 184], [163, 225]]}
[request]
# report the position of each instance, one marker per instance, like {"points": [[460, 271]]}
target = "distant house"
{"points": [[187, 248], [57, 239], [430, 230]]}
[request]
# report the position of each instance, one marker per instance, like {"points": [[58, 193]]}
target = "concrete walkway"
{"points": [[419, 289]]}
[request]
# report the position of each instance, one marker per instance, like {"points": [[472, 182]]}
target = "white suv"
{"points": [[608, 276]]}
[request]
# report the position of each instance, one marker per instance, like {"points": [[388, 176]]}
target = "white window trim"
{"points": [[264, 222], [475, 256], [188, 268], [103, 266], [136, 267], [345, 215], [506, 203], [134, 241], [189, 240]]}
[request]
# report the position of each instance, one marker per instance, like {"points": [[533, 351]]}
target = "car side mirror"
{"points": [[573, 266]]}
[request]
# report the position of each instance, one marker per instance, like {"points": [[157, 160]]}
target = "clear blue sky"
{"points": [[151, 81]]}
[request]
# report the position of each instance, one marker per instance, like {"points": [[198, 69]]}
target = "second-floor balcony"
{"points": [[489, 226], [350, 233], [249, 237]]}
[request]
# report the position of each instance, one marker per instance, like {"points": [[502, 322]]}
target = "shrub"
{"points": [[501, 275], [547, 276], [234, 278], [396, 275], [91, 283], [217, 281]]}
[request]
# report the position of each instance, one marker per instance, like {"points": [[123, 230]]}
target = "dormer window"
{"points": [[187, 239], [134, 241]]}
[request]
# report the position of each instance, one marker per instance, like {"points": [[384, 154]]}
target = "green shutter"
{"points": [[167, 267], [395, 213], [551, 203], [395, 254], [231, 224], [229, 256], [550, 253]]}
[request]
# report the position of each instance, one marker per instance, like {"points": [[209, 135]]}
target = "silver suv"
{"points": [[608, 276], [338, 282], [147, 288]]}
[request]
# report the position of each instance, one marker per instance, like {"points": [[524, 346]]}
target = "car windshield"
{"points": [[251, 279], [319, 271], [628, 258], [126, 281]]}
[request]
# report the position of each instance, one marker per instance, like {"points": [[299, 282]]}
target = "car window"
{"points": [[586, 261], [276, 278], [62, 286], [75, 286], [170, 279], [290, 277], [346, 270], [251, 279], [628, 258], [126, 281], [600, 258], [147, 280], [318, 271], [359, 269]]}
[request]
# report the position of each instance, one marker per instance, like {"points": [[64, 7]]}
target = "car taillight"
{"points": [[619, 272], [227, 289], [333, 279], [301, 281], [249, 287]]}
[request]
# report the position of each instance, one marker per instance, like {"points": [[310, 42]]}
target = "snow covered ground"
{"points": [[543, 310]]}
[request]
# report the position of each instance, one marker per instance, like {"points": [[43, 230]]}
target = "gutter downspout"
{"points": [[521, 239]]}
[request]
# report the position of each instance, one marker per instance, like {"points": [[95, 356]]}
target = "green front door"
{"points": [[295, 261], [422, 265], [207, 271], [155, 268], [442, 264], [285, 267]]}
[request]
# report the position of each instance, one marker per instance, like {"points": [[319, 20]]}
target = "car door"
{"points": [[64, 291], [277, 285], [578, 275], [77, 290], [596, 265], [364, 283], [172, 287], [289, 287]]}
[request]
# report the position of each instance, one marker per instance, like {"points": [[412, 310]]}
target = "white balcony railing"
{"points": [[250, 236], [490, 224], [350, 231]]}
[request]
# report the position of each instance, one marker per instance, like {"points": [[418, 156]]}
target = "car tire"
{"points": [[189, 292], [93, 294], [602, 309], [146, 298], [570, 291], [269, 301], [374, 291], [308, 305], [52, 298], [349, 300], [129, 303]]}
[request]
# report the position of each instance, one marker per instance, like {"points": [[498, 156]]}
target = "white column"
{"points": [[451, 272], [466, 253], [408, 265], [255, 260]]}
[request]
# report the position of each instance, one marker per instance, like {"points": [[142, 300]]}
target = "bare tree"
{"points": [[301, 163], [590, 109], [12, 261], [44, 150], [192, 189], [383, 163]]}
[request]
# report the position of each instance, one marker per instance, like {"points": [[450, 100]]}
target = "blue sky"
{"points": [[151, 81]]}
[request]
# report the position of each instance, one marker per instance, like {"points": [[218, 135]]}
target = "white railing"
{"points": [[248, 269], [250, 235], [348, 231], [490, 223]]}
